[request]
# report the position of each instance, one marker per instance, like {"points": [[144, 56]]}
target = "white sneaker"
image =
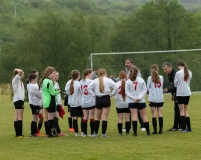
{"points": [[82, 134], [104, 136], [76, 135], [143, 129], [124, 130], [95, 135]]}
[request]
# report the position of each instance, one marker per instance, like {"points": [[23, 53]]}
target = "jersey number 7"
{"points": [[135, 85]]}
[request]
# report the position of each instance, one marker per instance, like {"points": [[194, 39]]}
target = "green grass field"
{"points": [[170, 145]]}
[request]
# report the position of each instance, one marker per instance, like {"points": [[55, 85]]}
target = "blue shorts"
{"points": [[138, 106]]}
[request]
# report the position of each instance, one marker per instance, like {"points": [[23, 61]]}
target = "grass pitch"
{"points": [[170, 145]]}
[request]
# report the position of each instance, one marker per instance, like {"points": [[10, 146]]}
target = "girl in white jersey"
{"points": [[18, 100], [74, 92], [121, 104], [88, 102], [40, 117], [59, 106], [34, 95], [103, 86], [156, 99], [135, 92], [182, 83]]}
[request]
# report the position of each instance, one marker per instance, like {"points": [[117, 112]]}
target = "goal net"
{"points": [[115, 62]]}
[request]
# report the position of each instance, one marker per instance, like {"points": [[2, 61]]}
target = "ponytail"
{"points": [[71, 87], [183, 64], [101, 85], [101, 72], [123, 83]]}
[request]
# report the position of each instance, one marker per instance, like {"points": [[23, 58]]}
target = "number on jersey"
{"points": [[135, 85], [157, 85]]}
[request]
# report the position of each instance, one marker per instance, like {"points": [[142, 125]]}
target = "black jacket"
{"points": [[172, 88]]}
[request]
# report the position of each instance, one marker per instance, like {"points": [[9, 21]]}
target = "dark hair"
{"points": [[74, 75], [33, 71], [32, 76], [122, 76], [167, 64], [133, 73], [183, 64], [131, 60], [15, 73], [87, 71], [154, 74]]}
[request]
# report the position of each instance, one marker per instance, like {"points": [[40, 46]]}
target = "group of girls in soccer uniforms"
{"points": [[91, 98]]}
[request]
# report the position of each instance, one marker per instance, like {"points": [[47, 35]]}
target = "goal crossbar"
{"points": [[116, 53]]}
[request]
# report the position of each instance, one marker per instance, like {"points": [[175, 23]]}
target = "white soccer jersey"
{"points": [[120, 103], [58, 97], [74, 100], [155, 90], [88, 98], [136, 90], [34, 94], [182, 84], [108, 85], [18, 88]]}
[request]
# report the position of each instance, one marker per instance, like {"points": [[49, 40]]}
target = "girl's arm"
{"points": [[114, 86]]}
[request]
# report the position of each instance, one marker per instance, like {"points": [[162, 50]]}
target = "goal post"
{"points": [[115, 62]]}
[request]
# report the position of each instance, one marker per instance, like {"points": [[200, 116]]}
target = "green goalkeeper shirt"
{"points": [[49, 93]]}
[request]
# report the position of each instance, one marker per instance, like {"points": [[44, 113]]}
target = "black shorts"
{"points": [[35, 109], [88, 108], [153, 104], [123, 110], [183, 100], [58, 108], [69, 109], [103, 102], [76, 112], [19, 104], [138, 106], [51, 109]]}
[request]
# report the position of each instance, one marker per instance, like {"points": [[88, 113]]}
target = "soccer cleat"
{"points": [[22, 136], [120, 134], [62, 134], [154, 133], [71, 130], [160, 132], [95, 135], [134, 135], [104, 136], [84, 135], [183, 130], [172, 129], [124, 130], [33, 135], [54, 132], [143, 129], [76, 135], [189, 130], [148, 134]]}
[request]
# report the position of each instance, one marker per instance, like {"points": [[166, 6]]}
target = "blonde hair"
{"points": [[101, 72], [154, 74], [122, 76]]}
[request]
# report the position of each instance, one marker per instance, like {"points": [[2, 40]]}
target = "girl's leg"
{"points": [[154, 121], [91, 116], [16, 124], [75, 125], [19, 121], [188, 122], [51, 116], [41, 119], [182, 116], [160, 119], [105, 114], [46, 121], [70, 122], [34, 125], [145, 120], [128, 123], [120, 120], [84, 121], [134, 116], [98, 113]]}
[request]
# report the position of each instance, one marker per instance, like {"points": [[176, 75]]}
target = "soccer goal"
{"points": [[115, 62]]}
